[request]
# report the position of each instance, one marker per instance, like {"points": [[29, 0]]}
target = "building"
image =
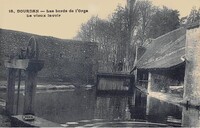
{"points": [[172, 60]]}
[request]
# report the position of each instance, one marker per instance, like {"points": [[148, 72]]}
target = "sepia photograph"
{"points": [[100, 63]]}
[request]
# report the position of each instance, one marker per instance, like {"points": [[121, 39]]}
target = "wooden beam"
{"points": [[114, 75], [16, 63], [30, 90], [10, 91]]}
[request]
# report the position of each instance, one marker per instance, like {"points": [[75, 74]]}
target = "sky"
{"points": [[68, 23]]}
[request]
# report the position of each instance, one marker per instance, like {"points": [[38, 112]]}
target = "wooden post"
{"points": [[18, 90], [30, 90], [132, 84], [10, 91], [97, 82], [150, 82], [133, 97], [30, 85], [148, 105]]}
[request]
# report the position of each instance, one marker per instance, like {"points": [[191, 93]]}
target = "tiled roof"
{"points": [[165, 51]]}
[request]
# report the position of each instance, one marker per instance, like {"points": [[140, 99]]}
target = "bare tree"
{"points": [[117, 37]]}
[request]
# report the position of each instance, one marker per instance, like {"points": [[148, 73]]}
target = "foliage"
{"points": [[119, 35], [163, 21], [146, 10], [193, 16]]}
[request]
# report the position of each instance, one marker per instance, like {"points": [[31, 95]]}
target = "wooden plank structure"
{"points": [[114, 82], [31, 65], [10, 91]]}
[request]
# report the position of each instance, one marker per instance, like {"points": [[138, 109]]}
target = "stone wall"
{"points": [[65, 60], [190, 117], [192, 73]]}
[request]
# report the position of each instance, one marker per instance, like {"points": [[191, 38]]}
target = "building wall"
{"points": [[192, 74], [190, 117], [65, 60]]}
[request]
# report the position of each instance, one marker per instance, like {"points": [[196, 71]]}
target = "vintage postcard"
{"points": [[99, 63]]}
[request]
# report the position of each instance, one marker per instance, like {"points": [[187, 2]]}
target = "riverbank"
{"points": [[48, 86]]}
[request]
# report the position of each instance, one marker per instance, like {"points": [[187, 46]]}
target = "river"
{"points": [[85, 105]]}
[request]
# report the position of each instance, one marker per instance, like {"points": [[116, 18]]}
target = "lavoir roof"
{"points": [[165, 51]]}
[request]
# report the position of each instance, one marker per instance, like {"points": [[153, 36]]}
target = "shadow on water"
{"points": [[138, 107], [81, 104]]}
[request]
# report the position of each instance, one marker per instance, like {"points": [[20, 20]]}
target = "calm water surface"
{"points": [[81, 104]]}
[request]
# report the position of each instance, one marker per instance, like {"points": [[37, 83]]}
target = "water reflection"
{"points": [[81, 104], [138, 107], [67, 106], [112, 107], [164, 112]]}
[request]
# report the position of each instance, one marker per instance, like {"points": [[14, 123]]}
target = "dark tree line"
{"points": [[114, 35]]}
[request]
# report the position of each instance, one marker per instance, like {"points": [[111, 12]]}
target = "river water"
{"points": [[82, 105]]}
